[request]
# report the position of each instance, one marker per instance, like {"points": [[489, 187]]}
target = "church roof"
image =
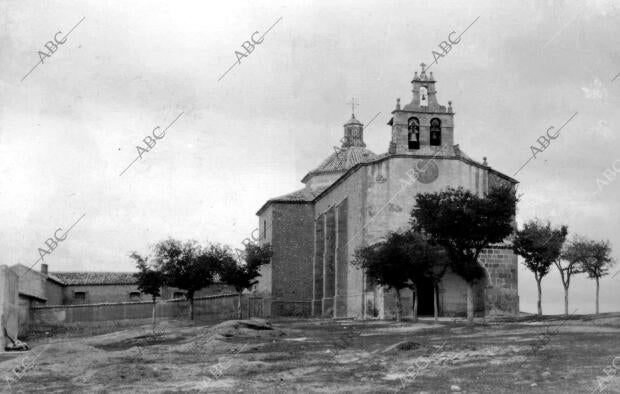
{"points": [[460, 153], [307, 194], [302, 195], [342, 161]]}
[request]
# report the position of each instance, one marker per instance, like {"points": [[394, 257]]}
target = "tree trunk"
{"points": [[398, 305], [470, 303], [597, 289], [414, 293], [154, 312], [240, 314], [539, 304], [435, 306], [191, 308], [566, 301]]}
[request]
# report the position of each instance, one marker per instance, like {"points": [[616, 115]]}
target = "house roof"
{"points": [[53, 278], [25, 269], [97, 278]]}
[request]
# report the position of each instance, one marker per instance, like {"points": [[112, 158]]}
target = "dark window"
{"points": [[264, 229], [134, 295], [413, 136], [178, 294], [435, 132], [79, 296]]}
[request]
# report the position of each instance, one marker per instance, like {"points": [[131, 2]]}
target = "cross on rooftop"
{"points": [[353, 104]]}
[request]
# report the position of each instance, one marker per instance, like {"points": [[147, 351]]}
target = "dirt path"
{"points": [[324, 356]]}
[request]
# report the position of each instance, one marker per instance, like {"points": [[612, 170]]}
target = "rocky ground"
{"points": [[526, 354]]}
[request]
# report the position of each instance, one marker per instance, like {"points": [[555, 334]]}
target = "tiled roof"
{"points": [[344, 159], [301, 195], [55, 278], [96, 278]]}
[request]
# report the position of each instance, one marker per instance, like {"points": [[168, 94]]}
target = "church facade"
{"points": [[354, 197]]}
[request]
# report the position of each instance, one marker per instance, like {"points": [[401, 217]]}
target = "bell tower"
{"points": [[423, 126]]}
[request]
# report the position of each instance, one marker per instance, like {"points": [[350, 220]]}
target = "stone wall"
{"points": [[502, 285], [291, 308], [54, 292], [265, 228], [31, 282], [292, 240], [167, 293], [212, 308], [9, 306]]}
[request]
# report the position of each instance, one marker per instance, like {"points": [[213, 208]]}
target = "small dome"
{"points": [[352, 151], [353, 121]]}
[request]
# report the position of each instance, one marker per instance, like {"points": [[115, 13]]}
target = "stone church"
{"points": [[355, 197]]}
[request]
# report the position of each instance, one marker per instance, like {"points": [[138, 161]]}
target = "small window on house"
{"points": [[435, 132], [79, 296], [134, 296], [414, 133], [264, 229], [178, 294]]}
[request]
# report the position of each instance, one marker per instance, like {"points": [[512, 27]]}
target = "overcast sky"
{"points": [[72, 125]]}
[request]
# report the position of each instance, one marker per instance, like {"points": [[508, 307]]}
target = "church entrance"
{"points": [[425, 299]]}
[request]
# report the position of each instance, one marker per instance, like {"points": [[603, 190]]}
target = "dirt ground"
{"points": [[525, 354]]}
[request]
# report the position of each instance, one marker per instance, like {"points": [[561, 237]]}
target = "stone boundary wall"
{"points": [[9, 309], [210, 308], [502, 285], [291, 308]]}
